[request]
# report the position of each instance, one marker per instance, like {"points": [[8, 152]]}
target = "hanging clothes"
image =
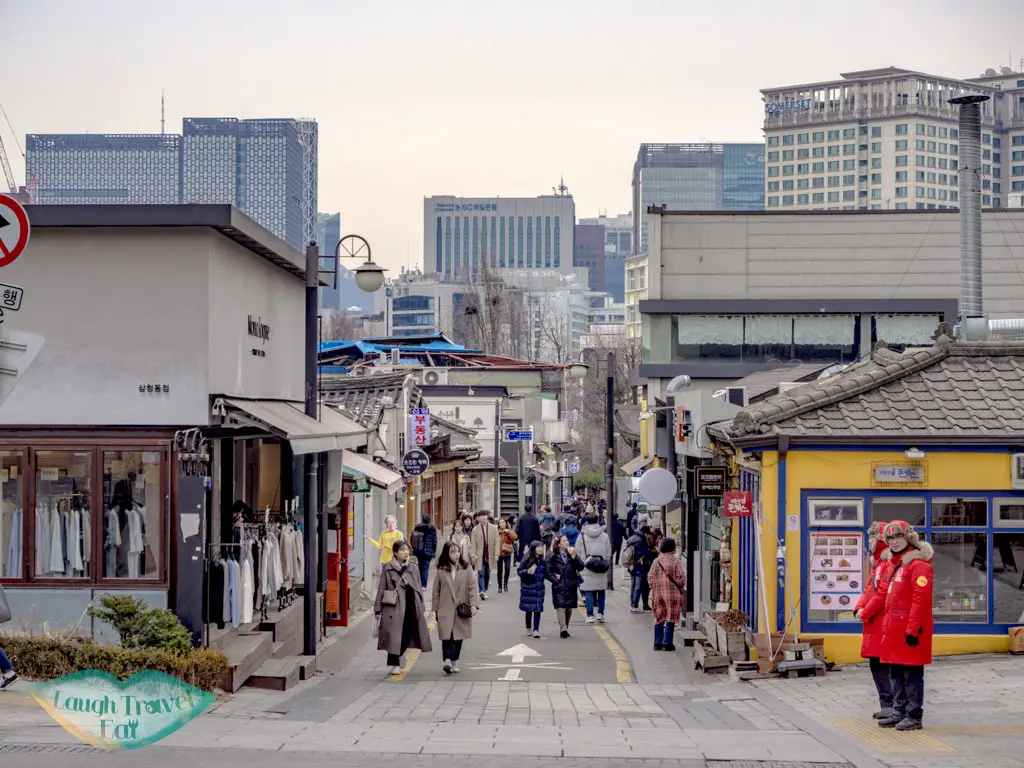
{"points": [[86, 538], [246, 589], [74, 519], [42, 539], [56, 564], [12, 567], [234, 597], [218, 581], [136, 547]]}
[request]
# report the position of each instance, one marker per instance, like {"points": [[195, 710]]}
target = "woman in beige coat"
{"points": [[455, 585], [401, 623]]}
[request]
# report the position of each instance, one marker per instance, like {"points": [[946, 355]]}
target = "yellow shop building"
{"points": [[934, 437]]}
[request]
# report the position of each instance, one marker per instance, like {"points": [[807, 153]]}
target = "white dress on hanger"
{"points": [[56, 544], [246, 589], [42, 539], [74, 532]]}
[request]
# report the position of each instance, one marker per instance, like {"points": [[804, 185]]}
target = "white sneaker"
{"points": [[536, 633], [455, 667], [590, 619], [394, 671], [447, 667], [483, 595], [529, 633], [600, 618]]}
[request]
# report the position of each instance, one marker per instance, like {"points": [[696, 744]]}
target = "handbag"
{"points": [[594, 563], [5, 608], [389, 597], [464, 610]]}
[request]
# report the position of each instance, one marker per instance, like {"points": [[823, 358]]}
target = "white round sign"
{"points": [[657, 486]]}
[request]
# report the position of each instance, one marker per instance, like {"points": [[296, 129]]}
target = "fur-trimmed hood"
{"points": [[922, 551]]}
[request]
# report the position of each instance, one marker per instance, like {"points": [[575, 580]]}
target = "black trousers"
{"points": [[882, 676], [451, 649], [504, 570], [907, 690]]}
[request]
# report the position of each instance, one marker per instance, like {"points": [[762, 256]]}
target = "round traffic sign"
{"points": [[658, 486], [14, 230], [415, 462]]}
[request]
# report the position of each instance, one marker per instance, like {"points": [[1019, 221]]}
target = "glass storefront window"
{"points": [[132, 503], [885, 510], [1007, 578], [63, 515], [961, 577], [12, 517], [963, 513]]}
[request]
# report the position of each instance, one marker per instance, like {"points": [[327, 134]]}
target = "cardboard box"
{"points": [[1016, 639]]}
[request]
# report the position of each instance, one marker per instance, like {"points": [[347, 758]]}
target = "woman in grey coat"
{"points": [[401, 623], [595, 550], [455, 585]]}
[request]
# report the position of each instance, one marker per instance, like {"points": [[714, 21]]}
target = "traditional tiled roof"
{"points": [[483, 464], [953, 390], [360, 397]]}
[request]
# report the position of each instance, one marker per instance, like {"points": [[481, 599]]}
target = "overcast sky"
{"points": [[494, 97]]}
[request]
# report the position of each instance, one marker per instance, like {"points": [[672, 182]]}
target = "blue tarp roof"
{"points": [[374, 348]]}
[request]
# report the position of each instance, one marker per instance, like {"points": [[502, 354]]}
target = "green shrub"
{"points": [[589, 479], [140, 626], [45, 658]]}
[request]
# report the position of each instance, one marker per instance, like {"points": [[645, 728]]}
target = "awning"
{"points": [[287, 420], [544, 448], [540, 469], [380, 476], [634, 464], [563, 447], [351, 433]]}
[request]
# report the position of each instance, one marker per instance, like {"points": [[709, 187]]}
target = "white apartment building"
{"points": [[888, 139], [460, 234], [636, 291]]}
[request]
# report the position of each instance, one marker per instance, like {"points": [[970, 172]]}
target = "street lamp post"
{"points": [[369, 278], [609, 472]]}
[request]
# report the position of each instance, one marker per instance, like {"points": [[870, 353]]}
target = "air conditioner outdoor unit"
{"points": [[1017, 470], [435, 377], [736, 396]]}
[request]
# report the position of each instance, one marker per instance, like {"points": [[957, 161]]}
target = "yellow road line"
{"points": [[623, 671], [413, 654], [889, 741]]}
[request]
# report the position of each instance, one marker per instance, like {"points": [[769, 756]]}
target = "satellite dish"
{"points": [[658, 486]]}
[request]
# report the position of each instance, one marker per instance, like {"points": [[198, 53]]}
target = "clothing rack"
{"points": [[206, 585]]}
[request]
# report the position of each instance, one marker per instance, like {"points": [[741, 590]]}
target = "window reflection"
{"points": [[12, 527], [1008, 578], [63, 515], [961, 577], [131, 514]]}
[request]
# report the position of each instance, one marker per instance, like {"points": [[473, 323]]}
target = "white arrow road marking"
{"points": [[538, 665], [511, 675], [519, 653]]}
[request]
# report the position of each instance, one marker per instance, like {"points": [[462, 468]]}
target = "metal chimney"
{"points": [[971, 305]]}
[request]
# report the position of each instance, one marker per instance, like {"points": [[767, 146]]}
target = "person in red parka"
{"points": [[869, 610], [907, 623]]}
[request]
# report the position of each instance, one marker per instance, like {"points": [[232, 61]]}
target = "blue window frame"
{"points": [[979, 544], [747, 559]]}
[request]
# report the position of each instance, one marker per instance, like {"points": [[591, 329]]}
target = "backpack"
{"points": [[417, 540], [628, 556]]}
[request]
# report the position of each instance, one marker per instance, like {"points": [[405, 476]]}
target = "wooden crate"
{"points": [[732, 644]]}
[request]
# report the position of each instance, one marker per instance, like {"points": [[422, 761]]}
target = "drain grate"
{"points": [[50, 749]]}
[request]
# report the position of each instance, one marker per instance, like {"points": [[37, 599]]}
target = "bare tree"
{"points": [[491, 316], [340, 325]]}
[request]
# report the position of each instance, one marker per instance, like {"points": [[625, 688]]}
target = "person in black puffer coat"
{"points": [[563, 571], [424, 546], [532, 569]]}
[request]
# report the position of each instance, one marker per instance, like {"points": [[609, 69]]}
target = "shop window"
{"points": [[961, 577], [1008, 512], [1007, 578], [12, 516], [959, 513], [835, 512], [131, 515], [63, 515], [886, 509]]}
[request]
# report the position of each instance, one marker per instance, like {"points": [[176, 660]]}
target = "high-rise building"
{"points": [[618, 246], [267, 168], [328, 233], [695, 177], [86, 169], [460, 233], [588, 252], [888, 139]]}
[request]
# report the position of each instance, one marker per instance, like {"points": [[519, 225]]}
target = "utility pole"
{"points": [[311, 461], [497, 452], [609, 462]]}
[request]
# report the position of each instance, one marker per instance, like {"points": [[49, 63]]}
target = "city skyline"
{"points": [[511, 127]]}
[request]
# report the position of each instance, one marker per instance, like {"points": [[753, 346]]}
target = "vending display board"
{"points": [[836, 570]]}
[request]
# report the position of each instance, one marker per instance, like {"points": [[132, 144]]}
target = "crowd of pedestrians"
{"points": [[571, 556]]}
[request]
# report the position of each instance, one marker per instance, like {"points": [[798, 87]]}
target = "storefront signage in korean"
{"points": [[786, 106], [836, 571], [460, 207], [420, 426], [709, 482], [415, 462], [899, 473], [737, 504]]}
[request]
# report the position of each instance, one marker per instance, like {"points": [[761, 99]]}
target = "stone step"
{"points": [[246, 653], [281, 674]]}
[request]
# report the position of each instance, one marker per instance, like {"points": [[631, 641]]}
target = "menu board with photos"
{"points": [[837, 570]]}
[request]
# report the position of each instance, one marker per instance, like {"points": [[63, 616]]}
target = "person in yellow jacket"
{"points": [[387, 540]]}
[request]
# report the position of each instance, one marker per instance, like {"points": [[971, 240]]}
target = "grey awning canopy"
{"points": [[288, 421]]}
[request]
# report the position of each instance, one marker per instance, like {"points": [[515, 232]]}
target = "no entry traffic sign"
{"points": [[14, 230]]}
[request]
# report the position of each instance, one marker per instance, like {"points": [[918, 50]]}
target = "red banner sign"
{"points": [[737, 504]]}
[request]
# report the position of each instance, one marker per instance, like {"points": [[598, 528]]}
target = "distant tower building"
{"points": [[85, 169], [328, 233], [588, 251], [695, 177], [267, 168], [618, 246]]}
